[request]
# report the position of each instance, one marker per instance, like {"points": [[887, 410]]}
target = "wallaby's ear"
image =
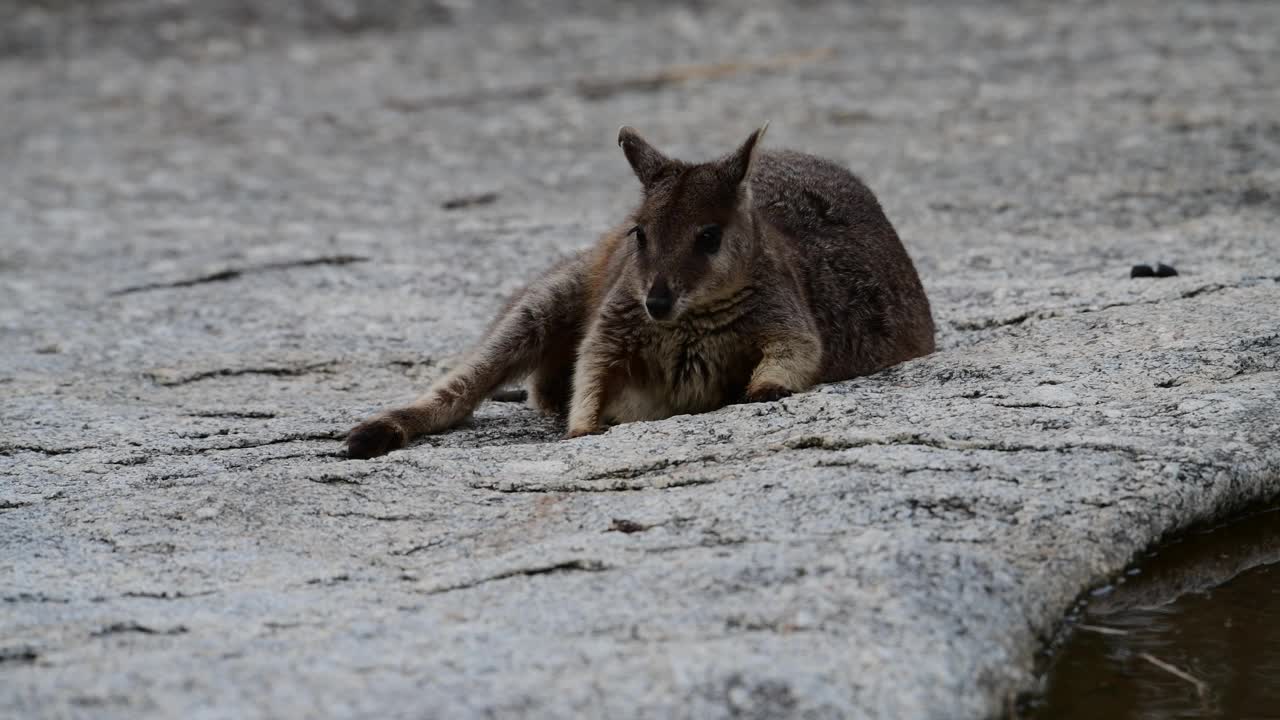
{"points": [[645, 160], [738, 165]]}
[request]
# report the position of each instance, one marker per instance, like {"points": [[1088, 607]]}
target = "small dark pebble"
{"points": [[18, 655], [627, 526], [1160, 270]]}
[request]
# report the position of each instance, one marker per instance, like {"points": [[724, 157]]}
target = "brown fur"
{"points": [[771, 271]]}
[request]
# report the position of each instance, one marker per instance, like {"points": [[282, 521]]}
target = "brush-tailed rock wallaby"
{"points": [[748, 278]]}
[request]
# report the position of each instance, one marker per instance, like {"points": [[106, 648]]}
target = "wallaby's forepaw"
{"points": [[582, 431], [766, 392], [375, 437]]}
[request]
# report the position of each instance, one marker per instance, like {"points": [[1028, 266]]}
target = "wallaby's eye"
{"points": [[640, 238], [708, 241]]}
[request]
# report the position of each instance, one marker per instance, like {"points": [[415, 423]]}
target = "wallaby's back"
{"points": [[861, 285]]}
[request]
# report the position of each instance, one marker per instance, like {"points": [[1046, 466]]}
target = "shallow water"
{"points": [[1191, 631]]}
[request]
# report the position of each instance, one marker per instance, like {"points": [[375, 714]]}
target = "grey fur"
{"points": [[808, 283]]}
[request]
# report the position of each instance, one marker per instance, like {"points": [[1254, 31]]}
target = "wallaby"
{"points": [[744, 279]]}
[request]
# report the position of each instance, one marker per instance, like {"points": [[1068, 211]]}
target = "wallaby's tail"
{"points": [[511, 395]]}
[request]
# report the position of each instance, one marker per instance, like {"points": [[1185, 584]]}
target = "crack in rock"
{"points": [[25, 597], [633, 472], [393, 517], [709, 540], [591, 483], [943, 508], [618, 479], [821, 442], [170, 378], [234, 273], [11, 449], [330, 581], [233, 414], [122, 628], [566, 566], [334, 479], [414, 549], [310, 456], [130, 460], [293, 437], [167, 594], [466, 201], [988, 323]]}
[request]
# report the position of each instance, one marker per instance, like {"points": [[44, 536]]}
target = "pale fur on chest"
{"points": [[692, 367]]}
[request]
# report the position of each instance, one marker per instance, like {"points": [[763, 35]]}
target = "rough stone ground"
{"points": [[220, 247]]}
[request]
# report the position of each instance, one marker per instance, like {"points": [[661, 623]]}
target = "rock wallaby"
{"points": [[748, 278]]}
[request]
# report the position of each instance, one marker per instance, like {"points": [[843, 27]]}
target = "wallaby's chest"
{"points": [[674, 373]]}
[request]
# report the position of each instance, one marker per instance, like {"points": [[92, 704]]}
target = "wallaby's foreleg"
{"points": [[590, 377], [602, 363], [546, 314], [791, 358]]}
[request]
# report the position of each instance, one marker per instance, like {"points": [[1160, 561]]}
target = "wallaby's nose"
{"points": [[659, 301]]}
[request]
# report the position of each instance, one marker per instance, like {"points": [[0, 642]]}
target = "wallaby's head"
{"points": [[695, 236]]}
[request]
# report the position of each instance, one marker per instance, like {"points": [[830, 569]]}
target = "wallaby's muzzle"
{"points": [[660, 300]]}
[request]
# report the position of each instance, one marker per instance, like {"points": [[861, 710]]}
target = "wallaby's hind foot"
{"points": [[534, 330], [449, 401], [374, 437]]}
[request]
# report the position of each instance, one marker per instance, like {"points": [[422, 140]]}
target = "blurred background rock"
{"points": [[41, 28]]}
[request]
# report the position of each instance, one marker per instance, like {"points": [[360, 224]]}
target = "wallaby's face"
{"points": [[694, 238]]}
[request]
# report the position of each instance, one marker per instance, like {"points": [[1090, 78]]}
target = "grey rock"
{"points": [[218, 253]]}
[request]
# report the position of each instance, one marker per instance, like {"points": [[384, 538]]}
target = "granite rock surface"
{"points": [[226, 238]]}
